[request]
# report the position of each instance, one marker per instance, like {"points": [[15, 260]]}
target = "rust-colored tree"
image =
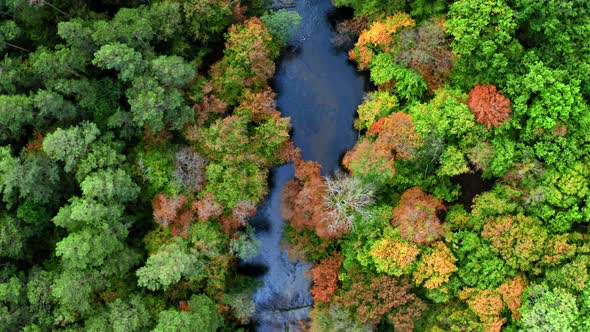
{"points": [[259, 106], [171, 212], [325, 278], [207, 208], [36, 144], [238, 218], [208, 106], [488, 105], [382, 295], [303, 200], [416, 216], [166, 209], [396, 133]]}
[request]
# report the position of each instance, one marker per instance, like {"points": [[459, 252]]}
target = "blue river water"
{"points": [[319, 89]]}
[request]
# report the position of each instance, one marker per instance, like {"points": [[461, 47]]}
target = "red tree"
{"points": [[325, 278], [489, 106], [416, 216]]}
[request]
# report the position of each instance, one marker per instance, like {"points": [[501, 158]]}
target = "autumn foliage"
{"points": [[303, 200], [166, 209], [36, 144], [238, 217], [172, 212], [394, 255], [248, 61], [488, 105], [207, 208], [511, 292], [425, 49], [380, 36], [395, 137], [436, 266], [383, 295], [325, 278], [416, 216], [396, 134], [487, 304], [519, 240]]}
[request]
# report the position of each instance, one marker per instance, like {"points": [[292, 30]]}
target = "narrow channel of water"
{"points": [[320, 90]]}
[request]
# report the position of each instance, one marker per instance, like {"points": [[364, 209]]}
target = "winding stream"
{"points": [[320, 90]]}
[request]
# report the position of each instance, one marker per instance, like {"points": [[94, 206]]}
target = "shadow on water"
{"points": [[319, 89]]}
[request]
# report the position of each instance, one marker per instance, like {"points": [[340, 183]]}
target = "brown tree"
{"points": [[380, 296], [396, 133], [238, 218], [259, 106], [208, 106], [166, 209], [325, 278], [425, 49], [207, 208], [416, 216], [303, 200], [488, 105]]}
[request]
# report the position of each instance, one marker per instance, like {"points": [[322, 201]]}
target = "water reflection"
{"points": [[320, 90]]}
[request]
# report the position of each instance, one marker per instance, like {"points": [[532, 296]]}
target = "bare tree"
{"points": [[190, 169], [345, 197]]}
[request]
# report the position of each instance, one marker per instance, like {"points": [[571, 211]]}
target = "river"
{"points": [[319, 90]]}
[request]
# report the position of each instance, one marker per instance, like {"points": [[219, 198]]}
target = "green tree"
{"points": [[109, 185], [282, 24], [16, 112], [547, 309], [72, 144], [483, 39], [202, 316], [169, 265], [121, 58]]}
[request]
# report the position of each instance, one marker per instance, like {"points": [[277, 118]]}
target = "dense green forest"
{"points": [[135, 143], [136, 139]]}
